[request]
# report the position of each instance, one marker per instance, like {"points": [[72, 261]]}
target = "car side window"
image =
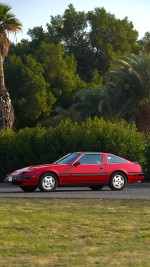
{"points": [[114, 159], [91, 159]]}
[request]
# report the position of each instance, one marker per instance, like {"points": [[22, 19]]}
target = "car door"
{"points": [[88, 169]]}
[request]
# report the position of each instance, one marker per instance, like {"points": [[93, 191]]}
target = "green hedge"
{"points": [[40, 145], [147, 158]]}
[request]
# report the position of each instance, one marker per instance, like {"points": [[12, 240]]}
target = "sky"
{"points": [[34, 13]]}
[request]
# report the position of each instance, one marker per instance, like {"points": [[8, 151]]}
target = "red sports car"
{"points": [[91, 169]]}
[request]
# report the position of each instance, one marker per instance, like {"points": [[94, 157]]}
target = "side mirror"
{"points": [[76, 163]]}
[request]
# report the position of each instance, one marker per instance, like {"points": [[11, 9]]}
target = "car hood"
{"points": [[32, 168]]}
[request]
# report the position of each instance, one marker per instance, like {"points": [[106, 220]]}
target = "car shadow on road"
{"points": [[19, 191]]}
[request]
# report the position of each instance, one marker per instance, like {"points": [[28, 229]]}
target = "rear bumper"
{"points": [[141, 174], [135, 177]]}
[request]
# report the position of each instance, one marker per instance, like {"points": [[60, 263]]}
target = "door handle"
{"points": [[102, 168]]}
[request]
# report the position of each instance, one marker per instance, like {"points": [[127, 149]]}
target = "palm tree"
{"points": [[128, 87], [87, 102], [8, 24], [114, 104]]}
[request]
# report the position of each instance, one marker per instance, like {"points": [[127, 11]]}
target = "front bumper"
{"points": [[26, 180]]}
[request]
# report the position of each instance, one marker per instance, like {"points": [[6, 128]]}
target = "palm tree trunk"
{"points": [[143, 119], [6, 109]]}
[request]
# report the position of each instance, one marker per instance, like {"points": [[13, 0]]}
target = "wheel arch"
{"points": [[53, 172], [122, 171]]}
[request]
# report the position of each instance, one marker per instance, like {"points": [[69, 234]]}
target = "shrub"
{"points": [[147, 157], [40, 145]]}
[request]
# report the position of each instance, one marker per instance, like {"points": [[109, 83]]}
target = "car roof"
{"points": [[92, 152], [87, 152]]}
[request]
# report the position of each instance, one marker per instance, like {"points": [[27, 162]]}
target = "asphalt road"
{"points": [[136, 191]]}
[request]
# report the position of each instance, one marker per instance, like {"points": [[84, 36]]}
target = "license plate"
{"points": [[9, 178]]}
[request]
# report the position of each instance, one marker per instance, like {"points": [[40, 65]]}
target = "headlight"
{"points": [[9, 178], [25, 176]]}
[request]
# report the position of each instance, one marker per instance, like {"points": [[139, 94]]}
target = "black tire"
{"points": [[28, 188], [97, 187], [48, 182], [117, 181]]}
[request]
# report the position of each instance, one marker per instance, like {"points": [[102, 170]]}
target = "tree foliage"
{"points": [[30, 93], [128, 86], [59, 71], [145, 43], [95, 38], [83, 64]]}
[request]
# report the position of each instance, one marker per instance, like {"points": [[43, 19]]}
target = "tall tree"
{"points": [[128, 91], [71, 29], [95, 38], [8, 24], [59, 72], [87, 102], [110, 37], [32, 93], [145, 43]]}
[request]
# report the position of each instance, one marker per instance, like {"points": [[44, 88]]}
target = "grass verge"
{"points": [[74, 233]]}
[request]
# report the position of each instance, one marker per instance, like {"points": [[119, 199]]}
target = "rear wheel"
{"points": [[117, 181], [28, 188], [96, 187], [48, 182]]}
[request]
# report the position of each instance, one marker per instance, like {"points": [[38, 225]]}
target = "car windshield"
{"points": [[67, 159]]}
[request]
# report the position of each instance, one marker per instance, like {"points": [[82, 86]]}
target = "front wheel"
{"points": [[96, 187], [48, 182], [28, 188], [117, 181]]}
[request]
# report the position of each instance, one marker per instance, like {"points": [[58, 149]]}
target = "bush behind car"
{"points": [[39, 145], [147, 158]]}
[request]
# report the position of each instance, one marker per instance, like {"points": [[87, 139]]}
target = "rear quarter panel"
{"points": [[131, 170]]}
